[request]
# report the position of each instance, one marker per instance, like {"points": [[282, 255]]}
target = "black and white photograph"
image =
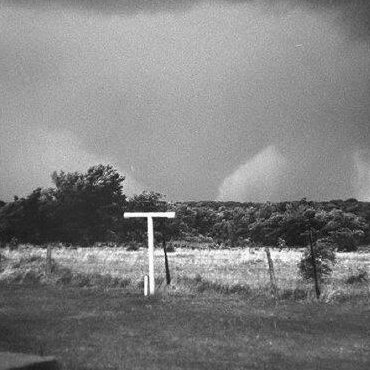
{"points": [[184, 184]]}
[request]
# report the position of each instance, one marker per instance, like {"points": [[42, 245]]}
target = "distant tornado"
{"points": [[256, 180]]}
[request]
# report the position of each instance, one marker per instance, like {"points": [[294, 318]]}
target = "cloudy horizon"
{"points": [[203, 100]]}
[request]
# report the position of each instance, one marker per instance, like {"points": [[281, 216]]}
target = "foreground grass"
{"points": [[95, 329], [235, 270], [91, 314]]}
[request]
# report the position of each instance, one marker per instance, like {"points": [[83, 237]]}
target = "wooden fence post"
{"points": [[313, 260], [48, 260], [271, 272], [167, 267]]}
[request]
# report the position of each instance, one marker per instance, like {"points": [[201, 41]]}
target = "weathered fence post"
{"points": [[48, 260], [166, 265], [271, 272], [313, 260], [168, 276]]}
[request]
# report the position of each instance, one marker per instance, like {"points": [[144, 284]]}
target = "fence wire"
{"points": [[243, 266]]}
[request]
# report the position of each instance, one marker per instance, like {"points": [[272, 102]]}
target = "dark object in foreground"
{"points": [[313, 258], [272, 273], [21, 361]]}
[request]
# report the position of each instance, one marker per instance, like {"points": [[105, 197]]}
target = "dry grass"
{"points": [[93, 329], [237, 270]]}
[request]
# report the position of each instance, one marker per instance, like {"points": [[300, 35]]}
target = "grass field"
{"points": [[90, 329], [244, 269], [196, 324]]}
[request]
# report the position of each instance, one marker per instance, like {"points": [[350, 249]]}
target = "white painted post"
{"points": [[146, 284], [151, 255], [149, 216]]}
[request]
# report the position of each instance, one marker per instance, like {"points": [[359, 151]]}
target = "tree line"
{"points": [[84, 208]]}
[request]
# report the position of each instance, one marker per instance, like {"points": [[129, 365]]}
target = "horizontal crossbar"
{"points": [[149, 214]]}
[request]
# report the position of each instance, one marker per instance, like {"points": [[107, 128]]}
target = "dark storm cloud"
{"points": [[237, 102], [354, 14], [109, 6]]}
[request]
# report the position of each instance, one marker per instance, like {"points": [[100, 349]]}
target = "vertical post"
{"points": [[151, 255], [313, 260], [167, 268], [146, 285], [149, 216], [48, 260], [168, 276], [272, 272]]}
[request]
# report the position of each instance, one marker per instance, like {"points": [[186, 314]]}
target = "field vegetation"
{"points": [[94, 330], [243, 271], [218, 312]]}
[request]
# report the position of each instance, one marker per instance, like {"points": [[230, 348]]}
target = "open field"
{"points": [[90, 329], [87, 329], [192, 325], [237, 269]]}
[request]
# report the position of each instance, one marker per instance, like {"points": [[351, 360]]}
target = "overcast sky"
{"points": [[230, 100]]}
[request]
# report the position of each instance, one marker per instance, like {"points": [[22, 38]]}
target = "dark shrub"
{"points": [[324, 252], [170, 248], [297, 294], [13, 244], [65, 276], [31, 277], [133, 247], [359, 278]]}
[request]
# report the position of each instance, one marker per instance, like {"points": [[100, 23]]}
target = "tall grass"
{"points": [[225, 271]]}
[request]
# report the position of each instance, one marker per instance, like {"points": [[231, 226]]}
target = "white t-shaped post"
{"points": [[149, 216]]}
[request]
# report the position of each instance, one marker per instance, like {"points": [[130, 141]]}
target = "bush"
{"points": [[133, 247], [31, 277], [360, 277], [324, 257], [347, 241], [201, 285], [64, 276], [170, 248], [296, 294], [13, 244]]}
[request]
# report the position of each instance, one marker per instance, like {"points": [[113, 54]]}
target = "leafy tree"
{"points": [[89, 206], [10, 218], [346, 230], [135, 229], [184, 221], [324, 255], [204, 220], [231, 227], [267, 231], [147, 201], [27, 219]]}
